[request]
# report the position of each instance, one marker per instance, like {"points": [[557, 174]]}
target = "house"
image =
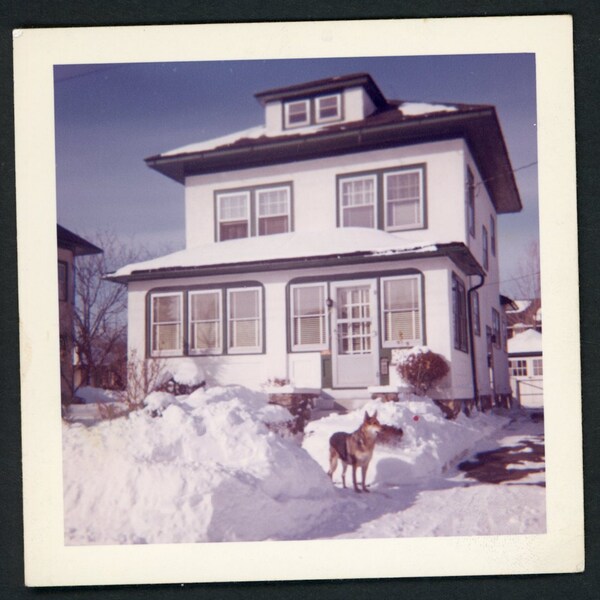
{"points": [[325, 243], [527, 368], [70, 246], [525, 314]]}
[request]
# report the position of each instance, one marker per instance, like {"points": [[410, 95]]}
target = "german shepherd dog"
{"points": [[354, 449]]}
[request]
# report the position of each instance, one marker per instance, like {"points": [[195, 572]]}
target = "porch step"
{"points": [[342, 399]]}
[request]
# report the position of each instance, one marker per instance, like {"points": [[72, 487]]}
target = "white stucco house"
{"points": [[324, 243]]}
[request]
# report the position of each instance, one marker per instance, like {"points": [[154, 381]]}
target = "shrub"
{"points": [[422, 369]]}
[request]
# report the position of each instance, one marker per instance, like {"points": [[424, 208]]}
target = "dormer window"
{"points": [[297, 113], [329, 108]]}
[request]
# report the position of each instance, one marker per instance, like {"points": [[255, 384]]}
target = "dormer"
{"points": [[319, 103]]}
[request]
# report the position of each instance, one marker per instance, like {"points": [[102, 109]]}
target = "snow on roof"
{"points": [[521, 306], [413, 109], [345, 240], [528, 341]]}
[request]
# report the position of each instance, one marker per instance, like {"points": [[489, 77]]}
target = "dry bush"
{"points": [[422, 370]]}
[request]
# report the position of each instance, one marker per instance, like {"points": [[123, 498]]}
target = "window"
{"points": [[471, 201], [496, 327], [63, 281], [234, 215], [166, 331], [476, 314], [459, 313], [273, 210], [205, 322], [357, 202], [297, 113], [270, 207], [486, 262], [403, 193], [308, 317], [401, 311], [493, 234], [244, 322], [538, 367], [518, 368], [328, 108]]}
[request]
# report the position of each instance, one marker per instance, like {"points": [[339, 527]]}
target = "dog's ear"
{"points": [[374, 415], [366, 416]]}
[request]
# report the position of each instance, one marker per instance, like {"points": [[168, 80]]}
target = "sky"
{"points": [[109, 117]]}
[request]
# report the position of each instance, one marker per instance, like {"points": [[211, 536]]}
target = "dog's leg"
{"points": [[333, 460], [354, 477], [344, 467], [364, 477]]}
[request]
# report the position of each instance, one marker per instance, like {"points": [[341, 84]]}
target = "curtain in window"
{"points": [[166, 324], [205, 321], [244, 319], [401, 311], [308, 317]]}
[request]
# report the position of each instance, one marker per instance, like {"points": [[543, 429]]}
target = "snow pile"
{"points": [[93, 395], [187, 372], [208, 469], [430, 446]]}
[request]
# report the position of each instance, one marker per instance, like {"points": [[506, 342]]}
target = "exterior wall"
{"points": [[489, 294], [528, 389], [314, 190], [304, 368], [65, 308], [274, 118]]}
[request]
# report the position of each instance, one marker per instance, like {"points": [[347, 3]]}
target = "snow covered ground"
{"points": [[209, 467]]}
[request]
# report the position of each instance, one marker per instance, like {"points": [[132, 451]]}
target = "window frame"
{"points": [[248, 202], [460, 328], [286, 113], [292, 316], [255, 198], [180, 350], [421, 200], [190, 322], [258, 349], [63, 285], [485, 248], [470, 183], [317, 102], [517, 367], [382, 311], [496, 328], [341, 208], [493, 235], [476, 314], [537, 366]]}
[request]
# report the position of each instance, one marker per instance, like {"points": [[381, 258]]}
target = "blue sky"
{"points": [[108, 118]]}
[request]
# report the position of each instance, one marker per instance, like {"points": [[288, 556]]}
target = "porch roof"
{"points": [[297, 250]]}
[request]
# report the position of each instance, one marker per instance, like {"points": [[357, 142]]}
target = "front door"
{"points": [[355, 340]]}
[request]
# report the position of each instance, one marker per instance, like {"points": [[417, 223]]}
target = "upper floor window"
{"points": [[471, 201], [484, 241], [493, 235], [401, 311], [63, 281], [390, 199], [312, 111], [358, 201], [297, 113], [329, 108], [270, 206]]}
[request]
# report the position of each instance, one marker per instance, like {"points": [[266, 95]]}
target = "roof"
{"points": [[398, 123], [528, 312], [342, 246], [323, 86], [528, 342], [76, 244]]}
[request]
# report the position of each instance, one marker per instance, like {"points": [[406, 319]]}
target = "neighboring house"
{"points": [[324, 244], [523, 315], [70, 246], [527, 368]]}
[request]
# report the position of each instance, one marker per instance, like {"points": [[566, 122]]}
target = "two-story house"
{"points": [[323, 244]]}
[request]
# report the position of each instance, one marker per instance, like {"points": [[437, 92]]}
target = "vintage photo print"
{"points": [[294, 279]]}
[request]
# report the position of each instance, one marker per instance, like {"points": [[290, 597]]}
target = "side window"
{"points": [[484, 241], [401, 311], [233, 215], [493, 235], [273, 210], [459, 310], [476, 314], [496, 328], [308, 317]]}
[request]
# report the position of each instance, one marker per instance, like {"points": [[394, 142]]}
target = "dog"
{"points": [[354, 449]]}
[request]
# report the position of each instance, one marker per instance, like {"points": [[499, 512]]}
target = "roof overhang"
{"points": [[479, 127], [457, 252], [76, 244]]}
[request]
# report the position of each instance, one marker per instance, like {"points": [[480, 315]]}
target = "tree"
{"points": [[526, 277], [100, 318]]}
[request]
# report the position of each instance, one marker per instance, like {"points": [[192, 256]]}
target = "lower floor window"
{"points": [[538, 367], [308, 317], [193, 323], [401, 311], [518, 368], [459, 313]]}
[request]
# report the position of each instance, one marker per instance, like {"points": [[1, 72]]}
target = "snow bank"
{"points": [[208, 469], [92, 395], [430, 445]]}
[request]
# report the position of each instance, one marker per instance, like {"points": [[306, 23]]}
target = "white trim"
{"points": [[308, 347], [405, 343], [286, 111], [190, 322], [421, 200], [220, 196], [337, 117], [343, 179], [174, 352], [245, 349]]}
